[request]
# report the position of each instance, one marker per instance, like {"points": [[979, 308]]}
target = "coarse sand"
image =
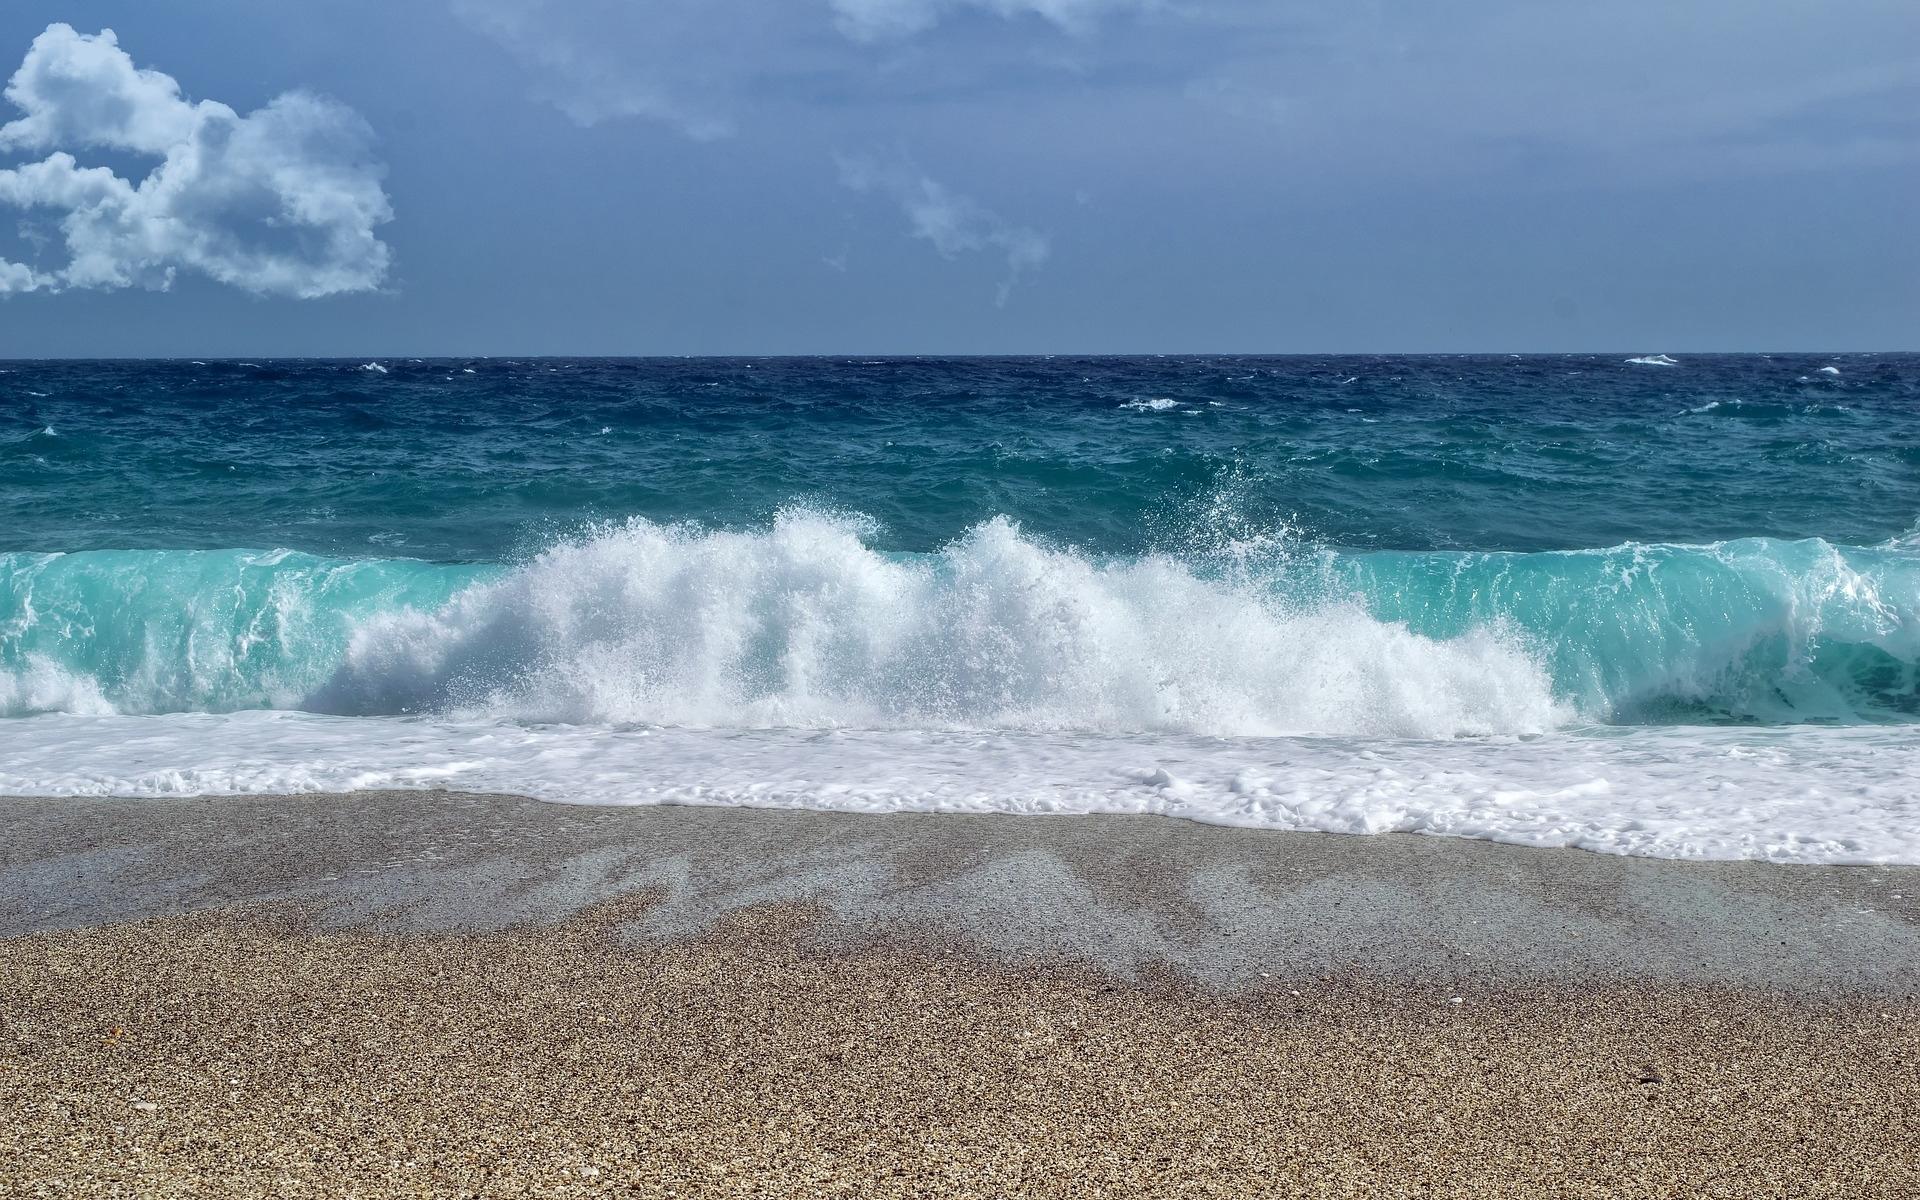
{"points": [[242, 1051]]}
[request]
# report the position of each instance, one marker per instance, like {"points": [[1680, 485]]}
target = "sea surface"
{"points": [[1628, 602]]}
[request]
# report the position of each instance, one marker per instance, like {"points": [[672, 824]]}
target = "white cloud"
{"points": [[953, 223], [282, 201]]}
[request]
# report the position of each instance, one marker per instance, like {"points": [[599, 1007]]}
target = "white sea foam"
{"points": [[1829, 370], [806, 625], [1805, 794], [42, 685], [1655, 360], [374, 367], [1157, 404]]}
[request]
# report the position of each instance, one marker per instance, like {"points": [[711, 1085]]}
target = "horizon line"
{"points": [[901, 356]]}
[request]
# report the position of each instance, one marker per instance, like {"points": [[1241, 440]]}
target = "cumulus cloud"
{"points": [[282, 201], [953, 223]]}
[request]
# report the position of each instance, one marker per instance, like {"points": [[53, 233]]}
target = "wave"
{"points": [[805, 624], [1655, 360], [1756, 630]]}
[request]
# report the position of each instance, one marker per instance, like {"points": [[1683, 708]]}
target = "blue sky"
{"points": [[958, 176]]}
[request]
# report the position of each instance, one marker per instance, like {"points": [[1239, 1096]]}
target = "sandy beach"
{"points": [[436, 994], [959, 600]]}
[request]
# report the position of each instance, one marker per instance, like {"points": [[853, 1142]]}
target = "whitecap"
{"points": [[1655, 360], [806, 625]]}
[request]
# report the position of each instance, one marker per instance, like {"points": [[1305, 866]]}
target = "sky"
{"points": [[515, 177]]}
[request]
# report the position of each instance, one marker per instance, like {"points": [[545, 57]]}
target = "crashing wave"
{"points": [[805, 624]]}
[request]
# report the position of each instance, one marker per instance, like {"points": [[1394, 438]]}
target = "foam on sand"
{"points": [[1806, 794]]}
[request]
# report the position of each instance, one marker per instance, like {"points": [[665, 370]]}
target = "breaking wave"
{"points": [[805, 624]]}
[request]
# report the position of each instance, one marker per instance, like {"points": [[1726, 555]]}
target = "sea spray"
{"points": [[804, 623]]}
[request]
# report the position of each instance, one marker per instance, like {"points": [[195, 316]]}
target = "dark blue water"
{"points": [[484, 460]]}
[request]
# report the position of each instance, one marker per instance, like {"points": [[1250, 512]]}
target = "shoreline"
{"points": [[1120, 893], [1819, 794], [441, 994]]}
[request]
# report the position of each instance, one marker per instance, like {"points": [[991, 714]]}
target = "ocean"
{"points": [[1632, 603]]}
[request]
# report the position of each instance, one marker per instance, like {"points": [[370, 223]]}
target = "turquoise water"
{"points": [[1727, 539], [1665, 607], [1756, 630]]}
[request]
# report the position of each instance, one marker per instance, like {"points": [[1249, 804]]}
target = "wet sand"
{"points": [[452, 995]]}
